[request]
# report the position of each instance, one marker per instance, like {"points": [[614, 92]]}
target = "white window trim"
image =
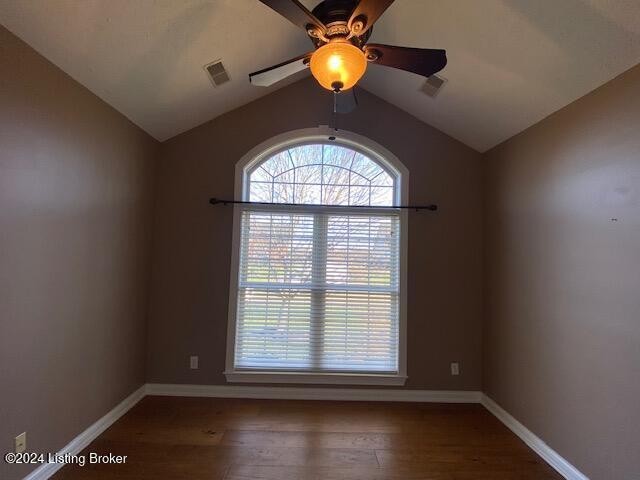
{"points": [[321, 134]]}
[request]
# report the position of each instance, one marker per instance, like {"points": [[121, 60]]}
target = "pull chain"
{"points": [[335, 111]]}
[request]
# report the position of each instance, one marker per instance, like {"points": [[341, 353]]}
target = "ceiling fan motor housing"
{"points": [[335, 15]]}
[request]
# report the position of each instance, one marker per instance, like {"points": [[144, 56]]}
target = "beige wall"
{"points": [[75, 199], [188, 314], [562, 337]]}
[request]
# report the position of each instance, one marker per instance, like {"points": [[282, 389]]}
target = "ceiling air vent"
{"points": [[217, 73], [433, 85]]}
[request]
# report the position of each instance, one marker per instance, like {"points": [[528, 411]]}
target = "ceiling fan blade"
{"points": [[371, 11], [346, 101], [271, 75], [423, 61], [296, 13]]}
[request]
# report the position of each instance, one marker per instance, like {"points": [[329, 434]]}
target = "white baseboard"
{"points": [[76, 445], [304, 393], [548, 454]]}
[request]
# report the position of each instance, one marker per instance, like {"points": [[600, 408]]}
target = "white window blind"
{"points": [[318, 291]]}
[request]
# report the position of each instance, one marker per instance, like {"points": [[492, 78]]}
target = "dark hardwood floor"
{"points": [[233, 439]]}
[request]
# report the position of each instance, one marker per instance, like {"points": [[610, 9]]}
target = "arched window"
{"points": [[321, 174], [316, 292]]}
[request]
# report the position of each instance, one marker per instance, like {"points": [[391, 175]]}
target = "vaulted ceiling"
{"points": [[511, 62]]}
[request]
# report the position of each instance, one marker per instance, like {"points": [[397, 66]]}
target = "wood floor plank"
{"points": [[144, 461], [348, 424], [222, 455], [167, 434], [330, 473], [372, 440], [460, 459]]}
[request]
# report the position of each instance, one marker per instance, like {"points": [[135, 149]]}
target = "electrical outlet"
{"points": [[21, 442], [455, 368], [193, 362]]}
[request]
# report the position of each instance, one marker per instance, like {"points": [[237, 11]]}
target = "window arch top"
{"points": [[322, 174]]}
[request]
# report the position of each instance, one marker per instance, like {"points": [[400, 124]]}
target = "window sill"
{"points": [[316, 378]]}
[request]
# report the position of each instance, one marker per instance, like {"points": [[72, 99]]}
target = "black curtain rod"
{"points": [[217, 201]]}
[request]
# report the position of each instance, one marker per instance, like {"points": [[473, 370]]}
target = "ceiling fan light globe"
{"points": [[338, 62]]}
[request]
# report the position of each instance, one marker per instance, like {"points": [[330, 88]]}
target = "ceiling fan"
{"points": [[339, 30]]}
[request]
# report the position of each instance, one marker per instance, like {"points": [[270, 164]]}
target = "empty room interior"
{"points": [[320, 240]]}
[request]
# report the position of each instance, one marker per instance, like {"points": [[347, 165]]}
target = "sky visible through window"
{"points": [[322, 175]]}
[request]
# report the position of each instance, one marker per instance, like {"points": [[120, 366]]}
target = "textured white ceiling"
{"points": [[511, 62]]}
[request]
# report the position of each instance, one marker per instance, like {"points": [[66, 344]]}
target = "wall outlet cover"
{"points": [[193, 362], [21, 442]]}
